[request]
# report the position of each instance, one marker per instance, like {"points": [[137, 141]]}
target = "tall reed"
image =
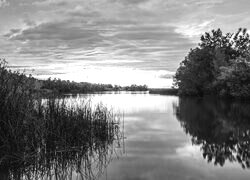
{"points": [[41, 137]]}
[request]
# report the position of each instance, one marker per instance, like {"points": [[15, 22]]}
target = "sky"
{"points": [[110, 41]]}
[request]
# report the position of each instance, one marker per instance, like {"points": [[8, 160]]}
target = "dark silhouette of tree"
{"points": [[195, 72], [211, 67], [135, 87]]}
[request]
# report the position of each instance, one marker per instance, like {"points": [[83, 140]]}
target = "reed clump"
{"points": [[49, 134]]}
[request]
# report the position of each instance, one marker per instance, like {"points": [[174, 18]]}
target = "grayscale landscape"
{"points": [[124, 90]]}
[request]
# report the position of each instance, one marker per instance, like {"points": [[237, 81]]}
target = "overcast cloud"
{"points": [[56, 37]]}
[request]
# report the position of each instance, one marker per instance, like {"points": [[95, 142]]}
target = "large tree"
{"points": [[216, 61]]}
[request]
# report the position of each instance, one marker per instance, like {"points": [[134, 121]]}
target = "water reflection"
{"points": [[85, 161], [65, 151], [156, 145], [221, 128]]}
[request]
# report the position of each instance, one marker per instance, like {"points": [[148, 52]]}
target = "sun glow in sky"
{"points": [[110, 41]]}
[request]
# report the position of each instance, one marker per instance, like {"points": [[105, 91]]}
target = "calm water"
{"points": [[172, 138]]}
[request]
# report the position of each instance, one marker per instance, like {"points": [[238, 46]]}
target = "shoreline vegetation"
{"points": [[47, 136], [58, 86], [55, 86], [63, 87], [219, 66]]}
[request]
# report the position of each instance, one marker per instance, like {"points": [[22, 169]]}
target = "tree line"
{"points": [[63, 86], [15, 80]]}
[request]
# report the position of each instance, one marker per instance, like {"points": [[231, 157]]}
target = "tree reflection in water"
{"points": [[65, 158], [221, 128]]}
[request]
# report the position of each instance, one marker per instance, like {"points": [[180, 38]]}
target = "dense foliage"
{"points": [[16, 94], [220, 65]]}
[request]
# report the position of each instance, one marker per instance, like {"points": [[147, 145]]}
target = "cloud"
{"points": [[56, 31], [49, 2], [29, 22], [208, 3], [195, 29], [131, 2], [142, 34], [4, 3], [144, 45], [12, 32]]}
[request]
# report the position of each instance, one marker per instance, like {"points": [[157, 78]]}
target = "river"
{"points": [[167, 137], [163, 137]]}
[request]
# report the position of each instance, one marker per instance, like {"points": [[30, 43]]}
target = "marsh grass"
{"points": [[62, 142], [51, 138]]}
